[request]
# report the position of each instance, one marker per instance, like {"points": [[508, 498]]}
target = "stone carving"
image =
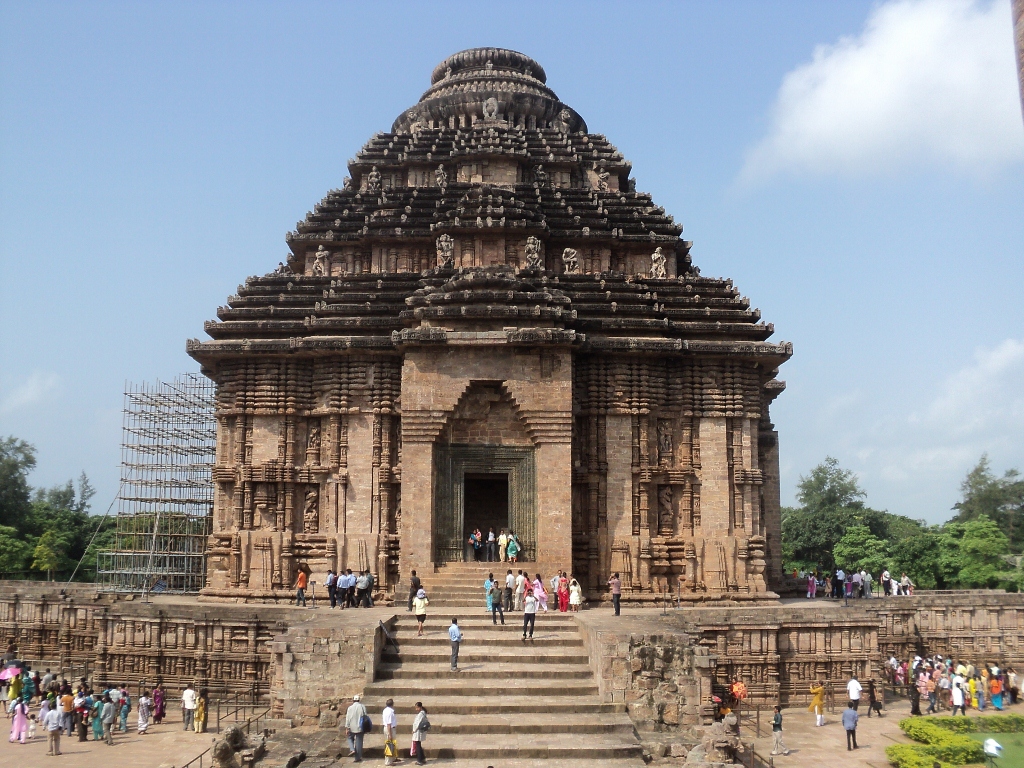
{"points": [[313, 440], [441, 177], [491, 109], [234, 743], [720, 743], [665, 514], [283, 269], [602, 180], [533, 259], [571, 261], [373, 181], [445, 252], [665, 447], [540, 175], [322, 263], [311, 512], [657, 264]]}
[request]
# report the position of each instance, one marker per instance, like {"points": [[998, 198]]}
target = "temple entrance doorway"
{"points": [[485, 504]]}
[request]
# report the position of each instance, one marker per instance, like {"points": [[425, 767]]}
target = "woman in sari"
{"points": [[158, 704], [540, 594], [512, 550], [200, 720], [563, 593], [96, 718], [817, 705], [487, 590], [19, 728], [144, 711]]}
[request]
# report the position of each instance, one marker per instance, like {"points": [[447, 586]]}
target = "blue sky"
{"points": [[855, 167]]}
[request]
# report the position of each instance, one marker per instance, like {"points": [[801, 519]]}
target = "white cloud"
{"points": [[926, 82], [32, 390]]}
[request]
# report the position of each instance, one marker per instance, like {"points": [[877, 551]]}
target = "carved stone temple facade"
{"points": [[488, 326]]}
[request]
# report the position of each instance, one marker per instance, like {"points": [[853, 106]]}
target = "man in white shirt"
{"points": [[510, 587], [455, 635], [886, 584], [856, 579], [390, 721], [837, 586], [52, 723], [853, 688], [520, 589], [331, 581], [188, 706]]}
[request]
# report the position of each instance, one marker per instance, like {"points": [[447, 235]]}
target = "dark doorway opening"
{"points": [[485, 505]]}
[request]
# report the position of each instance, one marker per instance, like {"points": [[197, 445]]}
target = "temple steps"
{"points": [[482, 671], [488, 721], [556, 746], [500, 705]]}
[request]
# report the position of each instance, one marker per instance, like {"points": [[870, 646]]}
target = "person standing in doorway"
{"points": [[189, 701], [300, 588], [419, 734], [529, 614], [414, 588], [502, 545], [616, 584], [455, 635], [850, 718], [777, 746], [492, 544]]}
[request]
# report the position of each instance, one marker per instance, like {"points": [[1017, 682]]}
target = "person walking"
{"points": [[420, 726], [201, 712], [108, 720], [812, 586], [19, 728], [563, 592], [390, 726], [853, 690], [520, 591], [455, 635], [510, 588], [512, 549], [487, 590], [957, 696], [540, 594], [189, 701], [300, 588], [145, 708], [496, 600], [368, 595], [96, 718], [616, 584], [419, 605], [529, 614], [575, 596], [53, 723], [778, 747], [817, 705], [331, 582], [414, 588], [873, 701], [850, 718], [354, 724]]}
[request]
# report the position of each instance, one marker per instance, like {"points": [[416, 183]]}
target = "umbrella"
{"points": [[10, 672]]}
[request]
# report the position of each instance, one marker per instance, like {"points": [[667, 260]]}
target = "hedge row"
{"points": [[937, 743], [987, 724]]}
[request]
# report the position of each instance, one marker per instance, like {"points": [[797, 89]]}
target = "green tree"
{"points": [[860, 549], [1001, 499], [973, 554], [14, 553], [918, 555], [17, 459], [46, 556]]}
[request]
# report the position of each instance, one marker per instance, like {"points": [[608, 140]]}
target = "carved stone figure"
{"points": [[233, 743], [445, 252], [571, 261], [602, 180], [533, 259], [311, 512], [491, 109], [283, 269], [665, 443], [322, 264], [665, 515], [441, 177], [657, 264], [540, 175], [373, 181], [313, 441]]}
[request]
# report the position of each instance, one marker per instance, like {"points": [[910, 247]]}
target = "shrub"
{"points": [[941, 743], [911, 756], [987, 724]]}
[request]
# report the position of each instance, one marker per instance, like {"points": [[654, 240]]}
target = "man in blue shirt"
{"points": [[456, 637], [850, 719]]}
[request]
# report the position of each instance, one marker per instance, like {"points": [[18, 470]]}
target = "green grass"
{"points": [[1013, 746]]}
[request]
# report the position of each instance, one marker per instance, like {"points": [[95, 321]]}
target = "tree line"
{"points": [[44, 532], [979, 547]]}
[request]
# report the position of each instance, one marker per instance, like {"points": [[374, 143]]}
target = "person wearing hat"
{"points": [[354, 728], [419, 605]]}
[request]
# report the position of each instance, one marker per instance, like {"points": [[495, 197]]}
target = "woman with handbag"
{"points": [[420, 726]]}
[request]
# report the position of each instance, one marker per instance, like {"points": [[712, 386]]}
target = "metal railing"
{"points": [[754, 759], [250, 726], [232, 706]]}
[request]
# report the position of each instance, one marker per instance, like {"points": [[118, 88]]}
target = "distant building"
{"points": [[489, 327]]}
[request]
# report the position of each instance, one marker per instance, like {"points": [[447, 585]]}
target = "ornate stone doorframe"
{"points": [[452, 463]]}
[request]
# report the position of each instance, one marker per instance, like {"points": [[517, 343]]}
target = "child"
{"points": [[31, 727]]}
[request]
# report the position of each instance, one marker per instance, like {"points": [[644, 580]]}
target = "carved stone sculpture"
{"points": [[445, 252], [373, 181], [311, 512], [283, 269], [657, 264], [540, 175], [665, 443], [491, 109], [602, 180], [313, 441], [571, 261], [533, 259], [234, 743], [441, 177], [322, 264]]}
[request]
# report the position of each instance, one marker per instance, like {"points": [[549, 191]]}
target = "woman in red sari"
{"points": [[563, 593]]}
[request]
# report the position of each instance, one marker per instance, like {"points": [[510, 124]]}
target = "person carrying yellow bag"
{"points": [[390, 731]]}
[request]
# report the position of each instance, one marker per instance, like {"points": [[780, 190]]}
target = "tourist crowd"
{"points": [[840, 584]]}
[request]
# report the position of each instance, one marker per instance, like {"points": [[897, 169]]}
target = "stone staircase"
{"points": [[512, 700], [462, 584]]}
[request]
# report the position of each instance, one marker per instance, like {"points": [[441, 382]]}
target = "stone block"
{"points": [[678, 750], [279, 724]]}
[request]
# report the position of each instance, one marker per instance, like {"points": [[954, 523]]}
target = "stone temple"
{"points": [[489, 326]]}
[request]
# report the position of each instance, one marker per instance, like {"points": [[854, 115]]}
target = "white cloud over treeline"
{"points": [[926, 82]]}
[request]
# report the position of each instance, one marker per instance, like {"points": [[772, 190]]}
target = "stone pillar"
{"points": [[768, 443], [714, 478]]}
